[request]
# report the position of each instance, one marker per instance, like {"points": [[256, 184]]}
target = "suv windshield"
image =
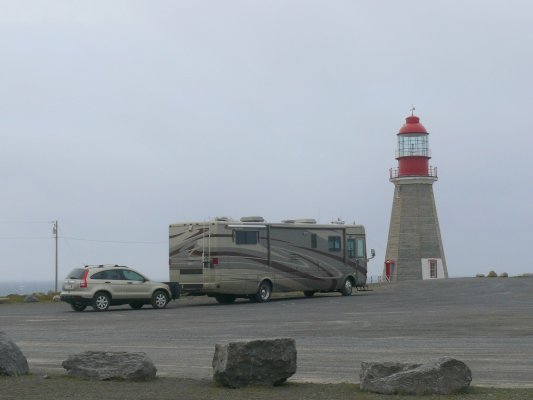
{"points": [[76, 273]]}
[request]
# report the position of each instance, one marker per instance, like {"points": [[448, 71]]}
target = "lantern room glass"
{"points": [[413, 145]]}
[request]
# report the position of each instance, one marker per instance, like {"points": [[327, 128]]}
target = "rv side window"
{"points": [[360, 248], [351, 248], [334, 243], [313, 241], [246, 237]]}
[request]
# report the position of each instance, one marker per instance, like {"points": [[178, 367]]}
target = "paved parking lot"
{"points": [[487, 323]]}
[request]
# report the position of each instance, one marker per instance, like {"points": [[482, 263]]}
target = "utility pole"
{"points": [[56, 232]]}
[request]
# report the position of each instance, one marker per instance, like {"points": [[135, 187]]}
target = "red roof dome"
{"points": [[412, 125]]}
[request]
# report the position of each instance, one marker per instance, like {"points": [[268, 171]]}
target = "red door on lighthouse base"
{"points": [[389, 269]]}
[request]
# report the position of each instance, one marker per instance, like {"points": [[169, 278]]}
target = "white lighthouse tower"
{"points": [[414, 247]]}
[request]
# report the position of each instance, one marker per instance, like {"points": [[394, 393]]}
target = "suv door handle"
{"points": [[107, 282]]}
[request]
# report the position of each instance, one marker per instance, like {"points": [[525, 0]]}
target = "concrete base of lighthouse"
{"points": [[414, 248]]}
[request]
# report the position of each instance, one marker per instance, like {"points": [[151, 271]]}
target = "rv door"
{"points": [[194, 260]]}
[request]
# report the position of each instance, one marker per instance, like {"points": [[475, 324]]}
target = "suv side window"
{"points": [[110, 274], [132, 276], [99, 275]]}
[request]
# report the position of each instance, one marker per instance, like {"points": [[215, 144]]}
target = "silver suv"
{"points": [[102, 286]]}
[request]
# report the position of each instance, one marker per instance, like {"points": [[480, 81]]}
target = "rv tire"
{"points": [[347, 287], [309, 293], [225, 299], [263, 293]]}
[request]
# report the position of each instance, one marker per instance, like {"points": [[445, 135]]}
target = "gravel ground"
{"points": [[486, 323], [62, 387]]}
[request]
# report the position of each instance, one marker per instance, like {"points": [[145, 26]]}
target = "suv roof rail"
{"points": [[105, 265]]}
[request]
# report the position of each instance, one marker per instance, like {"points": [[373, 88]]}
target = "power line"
{"points": [[24, 238], [108, 241], [27, 222], [78, 239]]}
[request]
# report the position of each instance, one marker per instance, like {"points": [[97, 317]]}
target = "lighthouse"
{"points": [[414, 247]]}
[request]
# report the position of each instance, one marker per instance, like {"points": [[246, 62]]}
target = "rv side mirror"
{"points": [[372, 253]]}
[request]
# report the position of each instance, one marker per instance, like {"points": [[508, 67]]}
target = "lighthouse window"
{"points": [[409, 145], [334, 243], [433, 268]]}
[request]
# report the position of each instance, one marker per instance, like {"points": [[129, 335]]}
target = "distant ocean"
{"points": [[27, 287]]}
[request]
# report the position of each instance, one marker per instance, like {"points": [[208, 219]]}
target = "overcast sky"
{"points": [[120, 117]]}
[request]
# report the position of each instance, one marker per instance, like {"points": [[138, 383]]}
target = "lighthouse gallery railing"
{"points": [[432, 171]]}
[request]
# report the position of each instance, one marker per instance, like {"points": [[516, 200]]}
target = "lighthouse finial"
{"points": [[412, 109]]}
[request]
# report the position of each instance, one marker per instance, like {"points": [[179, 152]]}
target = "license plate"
{"points": [[69, 286]]}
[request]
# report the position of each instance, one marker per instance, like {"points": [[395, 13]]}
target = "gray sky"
{"points": [[120, 117]]}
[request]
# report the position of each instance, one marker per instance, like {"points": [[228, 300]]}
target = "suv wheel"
{"points": [[159, 299], [78, 306], [101, 301]]}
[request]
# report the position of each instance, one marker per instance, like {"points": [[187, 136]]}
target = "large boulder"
{"points": [[378, 370], [107, 365], [32, 298], [12, 361], [258, 362], [444, 375]]}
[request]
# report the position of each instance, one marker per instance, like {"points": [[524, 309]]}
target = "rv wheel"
{"points": [[225, 299], [347, 287], [309, 293], [263, 294]]}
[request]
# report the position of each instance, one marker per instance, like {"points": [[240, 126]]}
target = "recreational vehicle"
{"points": [[251, 258]]}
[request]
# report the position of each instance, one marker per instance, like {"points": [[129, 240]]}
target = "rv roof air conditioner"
{"points": [[252, 219], [305, 221], [299, 221]]}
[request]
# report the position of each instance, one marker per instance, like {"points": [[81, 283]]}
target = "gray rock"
{"points": [[258, 362], [12, 361], [31, 299], [56, 298], [377, 370], [444, 375], [107, 365]]}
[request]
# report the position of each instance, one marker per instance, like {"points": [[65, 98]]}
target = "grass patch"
{"points": [[61, 386], [19, 298]]}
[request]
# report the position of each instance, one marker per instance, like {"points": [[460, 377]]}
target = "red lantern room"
{"points": [[413, 154]]}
